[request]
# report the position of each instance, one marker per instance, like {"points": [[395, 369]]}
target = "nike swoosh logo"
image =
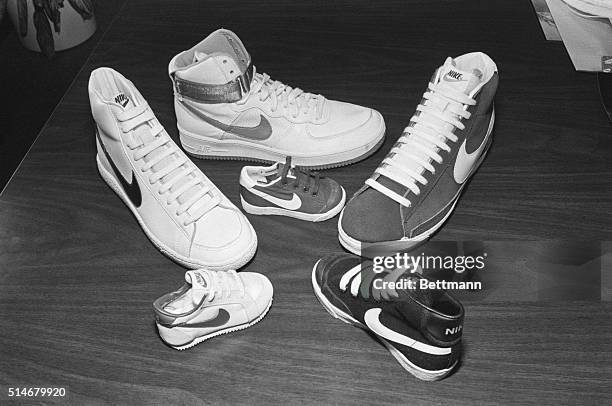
{"points": [[222, 317], [293, 204], [464, 163], [260, 132], [372, 320], [131, 188]]}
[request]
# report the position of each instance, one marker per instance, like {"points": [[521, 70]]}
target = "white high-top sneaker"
{"points": [[180, 210], [225, 109]]}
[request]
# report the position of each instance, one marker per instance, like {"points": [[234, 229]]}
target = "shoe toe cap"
{"points": [[223, 236], [259, 288], [372, 217]]}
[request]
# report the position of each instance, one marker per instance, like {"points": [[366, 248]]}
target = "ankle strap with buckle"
{"points": [[229, 92]]}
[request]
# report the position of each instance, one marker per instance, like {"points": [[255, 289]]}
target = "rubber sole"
{"points": [[278, 211], [187, 262], [405, 244], [208, 148], [416, 371], [200, 339]]}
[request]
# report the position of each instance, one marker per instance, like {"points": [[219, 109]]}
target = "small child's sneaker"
{"points": [[285, 190], [211, 303]]}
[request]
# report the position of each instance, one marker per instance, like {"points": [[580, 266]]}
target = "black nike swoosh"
{"points": [[260, 132], [131, 189], [222, 317]]}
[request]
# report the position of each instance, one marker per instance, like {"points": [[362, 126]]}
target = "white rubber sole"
{"points": [[278, 211], [200, 339], [418, 372], [233, 263], [389, 247], [212, 148]]}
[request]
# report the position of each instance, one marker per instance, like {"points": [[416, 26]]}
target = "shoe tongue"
{"points": [[276, 173], [220, 59], [458, 79], [122, 102], [200, 284]]}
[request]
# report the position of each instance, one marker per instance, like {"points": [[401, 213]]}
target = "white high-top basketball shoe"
{"points": [[225, 109], [180, 210]]}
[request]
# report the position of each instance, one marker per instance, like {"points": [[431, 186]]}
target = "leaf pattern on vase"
{"points": [[53, 13], [22, 15], [83, 7], [44, 35]]}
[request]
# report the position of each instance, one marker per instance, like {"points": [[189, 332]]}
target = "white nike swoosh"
{"points": [[293, 204], [372, 320], [465, 162]]}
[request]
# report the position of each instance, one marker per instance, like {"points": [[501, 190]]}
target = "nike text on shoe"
{"points": [[211, 303], [420, 328], [225, 109], [416, 187], [179, 208], [285, 190]]}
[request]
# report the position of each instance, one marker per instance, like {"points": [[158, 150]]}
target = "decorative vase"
{"points": [[52, 25]]}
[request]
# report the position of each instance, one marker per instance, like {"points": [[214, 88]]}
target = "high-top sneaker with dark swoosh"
{"points": [[421, 328], [226, 109], [178, 207], [416, 187]]}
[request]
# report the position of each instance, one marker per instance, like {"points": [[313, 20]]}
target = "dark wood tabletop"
{"points": [[78, 276]]}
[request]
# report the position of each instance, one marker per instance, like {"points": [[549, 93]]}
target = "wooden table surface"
{"points": [[78, 275]]}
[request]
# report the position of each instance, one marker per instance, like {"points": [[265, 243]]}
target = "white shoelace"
{"points": [[293, 101], [422, 140], [185, 176], [221, 284]]}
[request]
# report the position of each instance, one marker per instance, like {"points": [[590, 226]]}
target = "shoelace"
{"points": [[292, 100], [426, 134], [311, 180], [222, 283], [354, 277], [142, 114]]}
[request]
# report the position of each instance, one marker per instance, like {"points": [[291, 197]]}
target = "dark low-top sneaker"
{"points": [[285, 190], [422, 328], [416, 187]]}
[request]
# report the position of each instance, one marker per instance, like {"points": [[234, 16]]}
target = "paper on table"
{"points": [[546, 20], [587, 40]]}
